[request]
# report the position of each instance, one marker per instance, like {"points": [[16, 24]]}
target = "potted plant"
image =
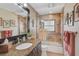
{"points": [[29, 34]]}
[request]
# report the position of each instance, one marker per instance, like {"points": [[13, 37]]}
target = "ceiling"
{"points": [[41, 8], [46, 8], [13, 7]]}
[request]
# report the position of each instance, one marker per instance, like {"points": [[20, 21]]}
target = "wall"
{"points": [[54, 36], [6, 15], [75, 28]]}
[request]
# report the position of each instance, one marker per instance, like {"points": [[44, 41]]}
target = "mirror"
{"points": [[24, 22], [22, 25]]}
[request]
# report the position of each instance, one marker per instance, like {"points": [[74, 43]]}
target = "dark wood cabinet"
{"points": [[37, 51]]}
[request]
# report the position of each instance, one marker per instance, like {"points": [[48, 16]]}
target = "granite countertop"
{"points": [[14, 52]]}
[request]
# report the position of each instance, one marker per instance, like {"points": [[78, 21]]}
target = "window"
{"points": [[49, 25]]}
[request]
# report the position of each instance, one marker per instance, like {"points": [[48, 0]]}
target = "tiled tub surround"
{"points": [[13, 52]]}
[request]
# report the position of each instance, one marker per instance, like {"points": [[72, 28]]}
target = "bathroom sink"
{"points": [[23, 46]]}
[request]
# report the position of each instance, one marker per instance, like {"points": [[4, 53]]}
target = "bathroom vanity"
{"points": [[34, 50]]}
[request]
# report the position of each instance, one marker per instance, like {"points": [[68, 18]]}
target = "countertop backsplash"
{"points": [[14, 39]]}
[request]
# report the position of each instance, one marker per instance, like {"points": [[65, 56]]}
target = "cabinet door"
{"points": [[36, 51], [39, 50]]}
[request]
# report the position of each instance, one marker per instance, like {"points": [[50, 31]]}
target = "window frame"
{"points": [[51, 25]]}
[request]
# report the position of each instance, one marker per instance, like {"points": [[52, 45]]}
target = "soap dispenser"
{"points": [[6, 41], [24, 39]]}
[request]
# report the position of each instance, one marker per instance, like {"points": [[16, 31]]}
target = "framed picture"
{"points": [[13, 23], [71, 19], [1, 21], [76, 12], [67, 19], [6, 23]]}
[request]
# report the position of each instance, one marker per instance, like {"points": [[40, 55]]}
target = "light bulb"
{"points": [[25, 5]]}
